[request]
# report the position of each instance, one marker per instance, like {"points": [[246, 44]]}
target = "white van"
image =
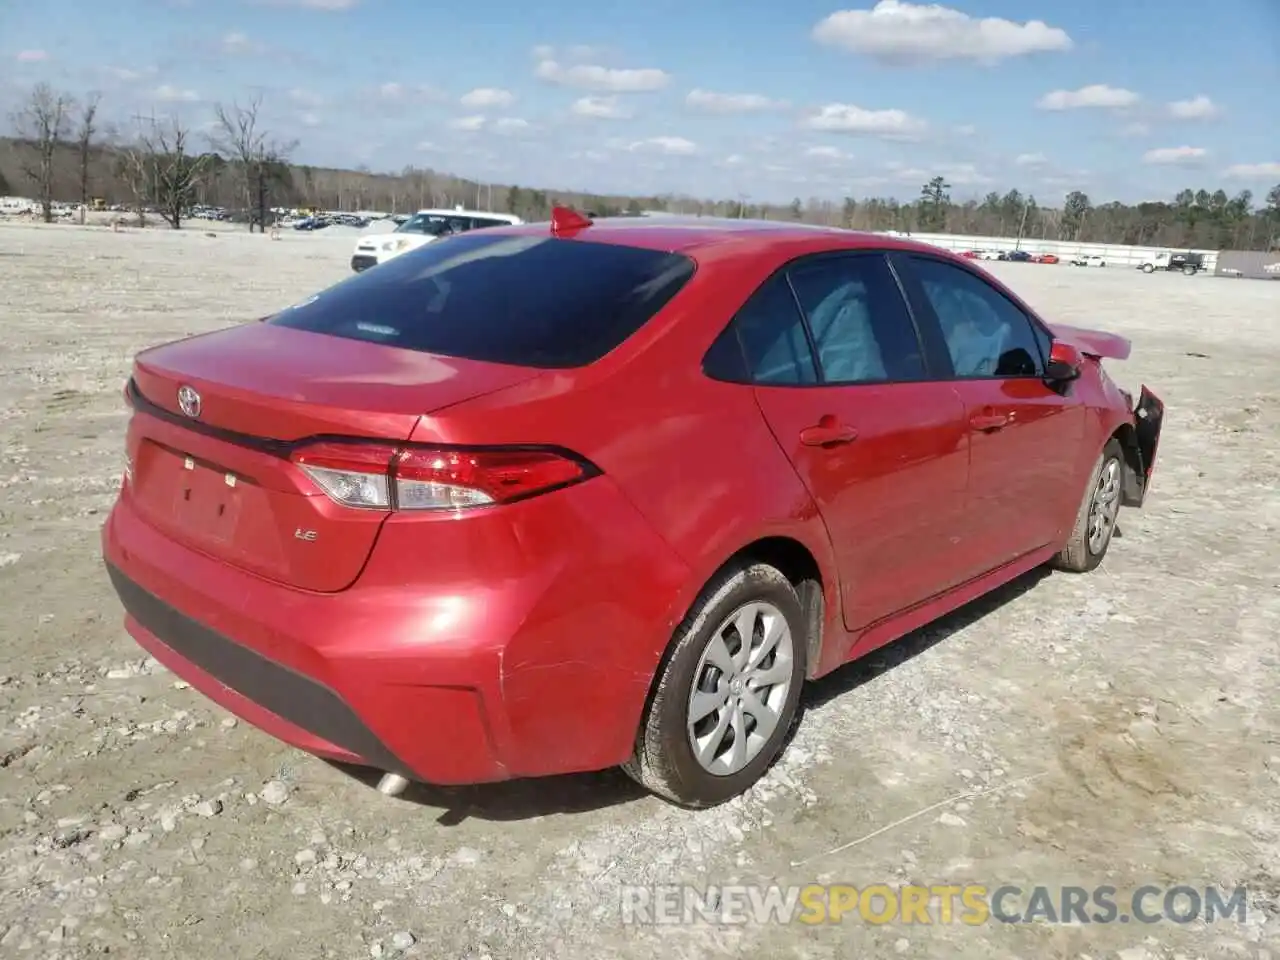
{"points": [[423, 227]]}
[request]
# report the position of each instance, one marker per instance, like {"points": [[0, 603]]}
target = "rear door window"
{"points": [[766, 342], [859, 320], [531, 300]]}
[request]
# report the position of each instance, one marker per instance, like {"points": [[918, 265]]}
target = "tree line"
{"points": [[61, 152]]}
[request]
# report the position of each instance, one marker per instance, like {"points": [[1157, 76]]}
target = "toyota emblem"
{"points": [[189, 401]]}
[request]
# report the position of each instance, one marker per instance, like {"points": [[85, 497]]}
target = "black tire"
{"points": [[1148, 268], [1077, 555], [664, 760], [1189, 271]]}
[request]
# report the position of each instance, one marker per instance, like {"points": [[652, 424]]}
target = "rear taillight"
{"points": [[385, 477]]}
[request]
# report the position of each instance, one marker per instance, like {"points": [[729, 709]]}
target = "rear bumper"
{"points": [[495, 653], [289, 705]]}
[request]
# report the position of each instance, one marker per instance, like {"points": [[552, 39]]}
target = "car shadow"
{"points": [[865, 669], [513, 799], [588, 792]]}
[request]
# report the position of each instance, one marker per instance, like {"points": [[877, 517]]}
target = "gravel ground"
{"points": [[1119, 728]]}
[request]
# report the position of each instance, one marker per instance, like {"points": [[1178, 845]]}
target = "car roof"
{"points": [[442, 212], [701, 236]]}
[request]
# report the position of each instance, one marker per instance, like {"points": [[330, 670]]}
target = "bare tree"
{"points": [[161, 173], [42, 124], [85, 132], [262, 161]]}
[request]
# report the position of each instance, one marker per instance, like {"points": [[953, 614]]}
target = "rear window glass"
{"points": [[532, 301]]}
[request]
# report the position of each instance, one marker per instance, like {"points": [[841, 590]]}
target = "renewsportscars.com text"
{"points": [[968, 904]]}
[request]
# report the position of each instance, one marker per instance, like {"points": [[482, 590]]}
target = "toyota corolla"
{"points": [[560, 497]]}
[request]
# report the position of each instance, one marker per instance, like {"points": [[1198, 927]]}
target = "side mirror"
{"points": [[1064, 363]]}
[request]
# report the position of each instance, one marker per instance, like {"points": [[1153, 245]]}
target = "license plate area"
{"points": [[206, 501]]}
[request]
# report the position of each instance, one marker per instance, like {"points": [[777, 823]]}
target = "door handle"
{"points": [[988, 421], [827, 432]]}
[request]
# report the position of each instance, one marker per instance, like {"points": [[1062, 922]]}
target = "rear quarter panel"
{"points": [[1105, 411], [694, 456]]}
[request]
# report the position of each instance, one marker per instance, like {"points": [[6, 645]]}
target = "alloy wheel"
{"points": [[740, 688]]}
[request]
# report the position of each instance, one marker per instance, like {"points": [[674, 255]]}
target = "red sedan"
{"points": [[554, 498]]}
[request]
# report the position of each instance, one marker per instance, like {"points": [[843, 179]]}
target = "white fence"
{"points": [[1115, 254]]}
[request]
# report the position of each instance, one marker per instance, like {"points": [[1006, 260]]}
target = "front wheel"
{"points": [[1096, 518], [1148, 268], [728, 691]]}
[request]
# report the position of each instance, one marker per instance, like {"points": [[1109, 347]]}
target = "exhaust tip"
{"points": [[392, 785]]}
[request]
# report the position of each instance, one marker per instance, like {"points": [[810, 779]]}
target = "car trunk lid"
{"points": [[217, 476], [1095, 343]]}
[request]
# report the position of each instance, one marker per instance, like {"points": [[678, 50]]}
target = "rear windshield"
{"points": [[532, 301]]}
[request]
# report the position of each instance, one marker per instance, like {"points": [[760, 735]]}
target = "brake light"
{"points": [[385, 477]]}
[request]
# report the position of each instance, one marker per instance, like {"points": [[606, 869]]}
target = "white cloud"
{"points": [[1136, 129], [400, 93], [1253, 171], [847, 118], [305, 98], [1175, 155], [1031, 160], [1096, 95], [482, 97], [129, 75], [471, 123], [502, 125], [312, 4], [581, 52], [309, 120], [586, 76], [602, 108], [509, 125], [236, 42], [675, 146], [1197, 108], [899, 33], [958, 175], [966, 130], [173, 94], [732, 102], [827, 153], [31, 56]]}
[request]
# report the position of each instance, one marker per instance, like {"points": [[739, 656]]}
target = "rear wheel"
{"points": [[1096, 518], [728, 692], [1148, 268], [1189, 271]]}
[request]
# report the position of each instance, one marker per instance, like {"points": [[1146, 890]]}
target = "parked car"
{"points": [[1092, 260], [420, 229], [1016, 256], [1045, 258], [971, 254], [481, 513], [1273, 269], [988, 254]]}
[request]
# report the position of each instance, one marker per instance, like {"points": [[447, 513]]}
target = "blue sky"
{"points": [[764, 98]]}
